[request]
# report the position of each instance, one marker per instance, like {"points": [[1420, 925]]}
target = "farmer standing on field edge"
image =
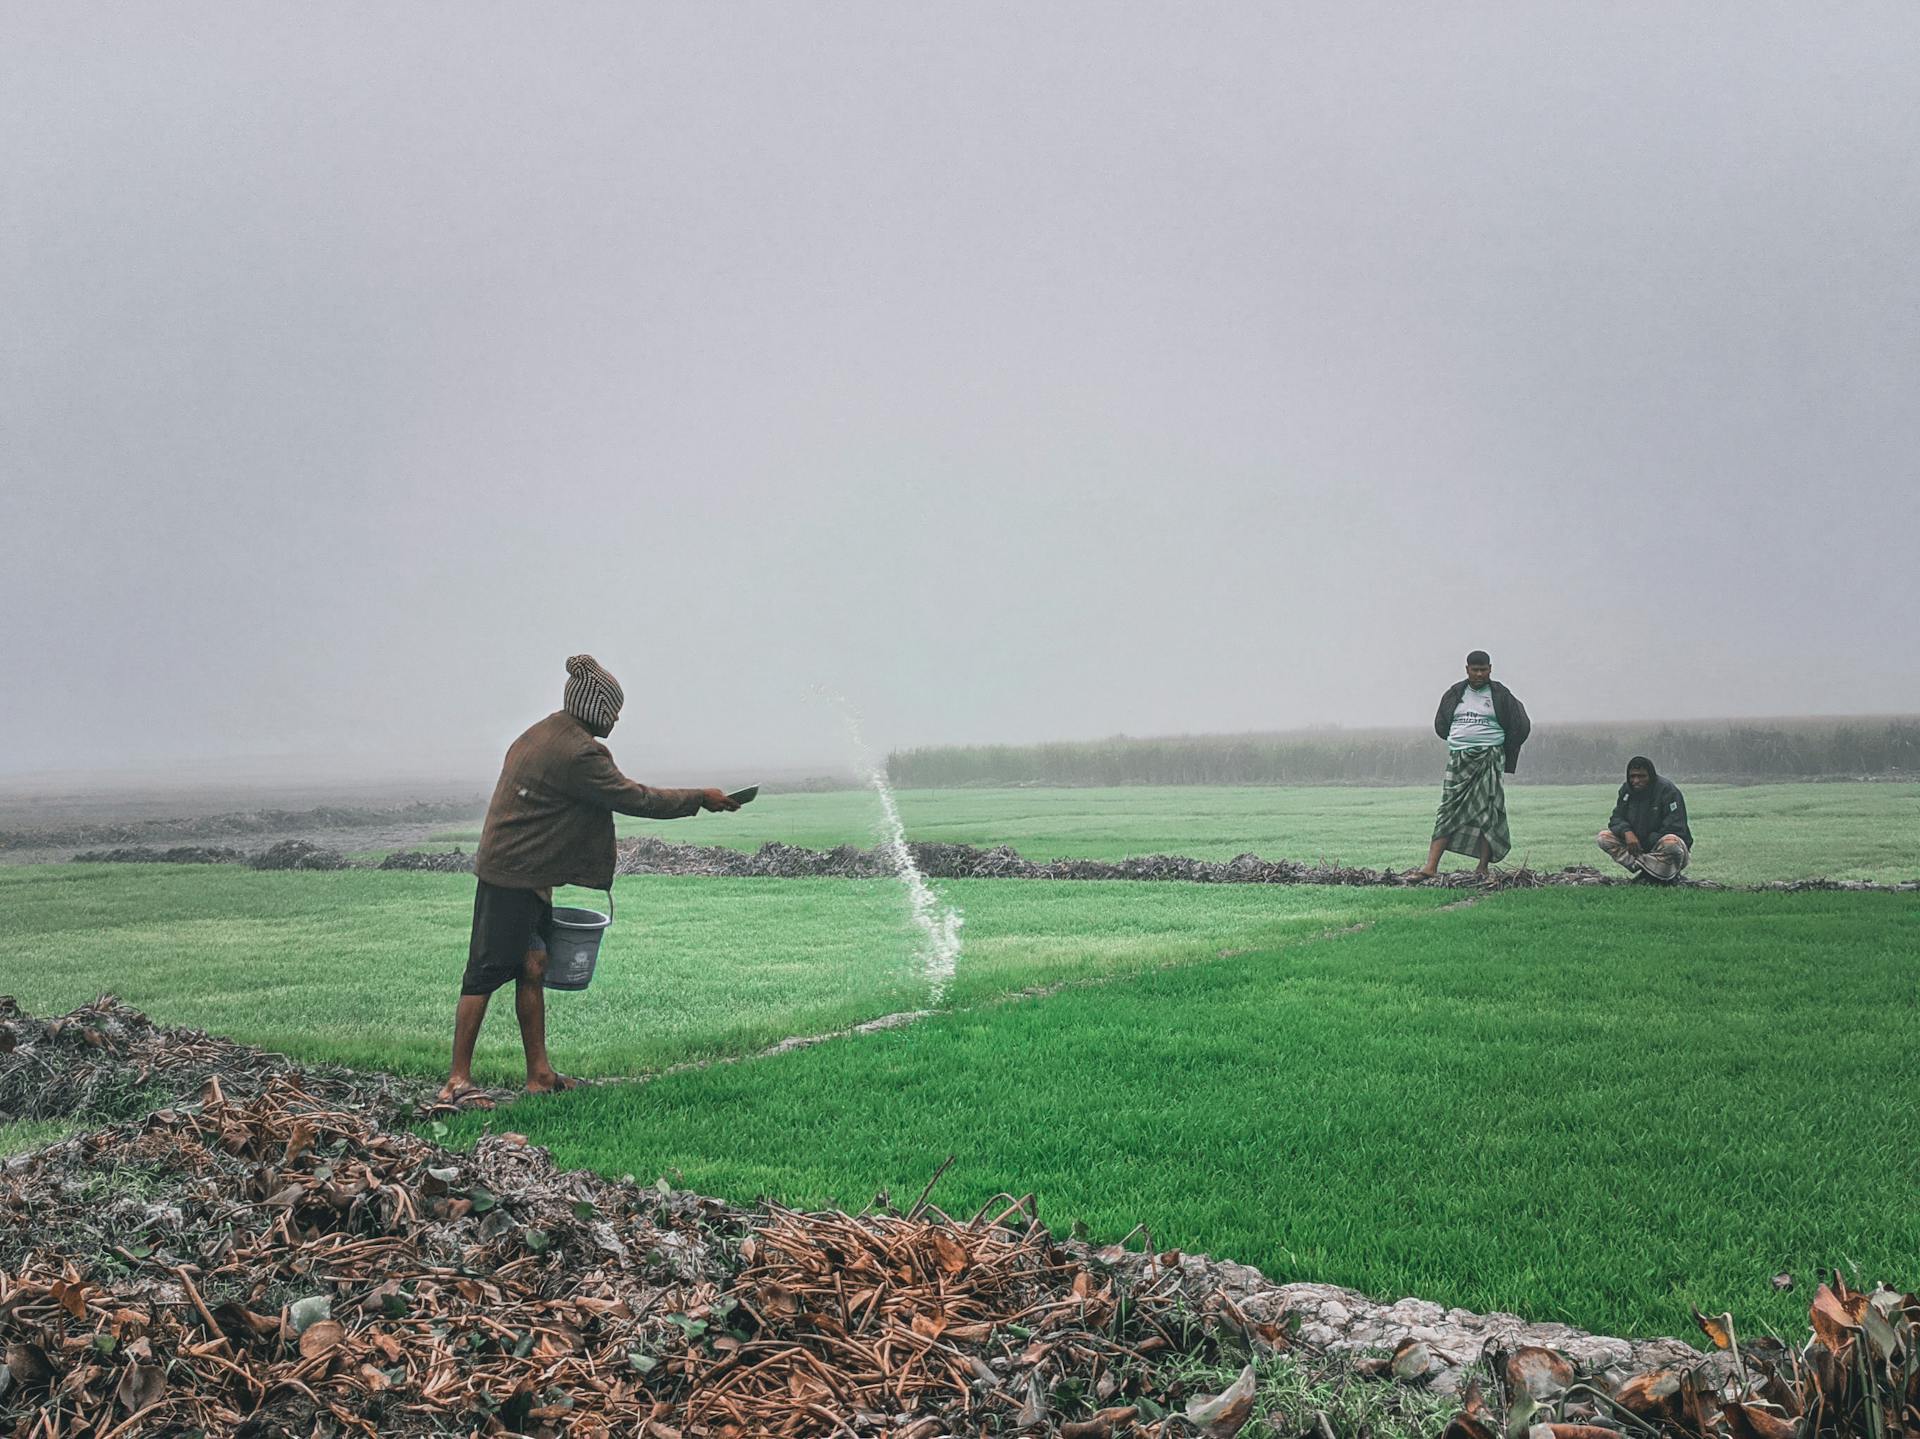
{"points": [[550, 822], [1484, 726]]}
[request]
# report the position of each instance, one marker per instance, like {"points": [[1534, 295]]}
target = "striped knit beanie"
{"points": [[593, 696]]}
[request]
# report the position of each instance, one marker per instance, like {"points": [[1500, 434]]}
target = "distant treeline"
{"points": [[1744, 750]]}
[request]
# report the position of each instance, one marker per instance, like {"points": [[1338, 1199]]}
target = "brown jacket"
{"points": [[551, 817]]}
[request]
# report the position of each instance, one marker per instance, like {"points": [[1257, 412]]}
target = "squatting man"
{"points": [[550, 822], [1648, 805]]}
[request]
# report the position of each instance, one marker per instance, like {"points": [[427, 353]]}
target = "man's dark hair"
{"points": [[1641, 762], [1479, 657]]}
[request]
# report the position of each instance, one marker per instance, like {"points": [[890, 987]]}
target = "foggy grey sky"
{"points": [[1020, 371]]}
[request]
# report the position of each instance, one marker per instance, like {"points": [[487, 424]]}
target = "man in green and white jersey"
{"points": [[1484, 726]]}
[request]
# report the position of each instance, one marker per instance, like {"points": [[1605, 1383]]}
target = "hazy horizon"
{"points": [[1021, 374], [326, 774]]}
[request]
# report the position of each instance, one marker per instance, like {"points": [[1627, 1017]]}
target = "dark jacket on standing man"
{"points": [[551, 818], [1659, 809], [1511, 714]]}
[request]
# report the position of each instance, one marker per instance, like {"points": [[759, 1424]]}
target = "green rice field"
{"points": [[1596, 1107], [362, 967], [1745, 834], [1592, 1105]]}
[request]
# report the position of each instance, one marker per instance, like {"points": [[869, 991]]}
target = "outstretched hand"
{"points": [[717, 801]]}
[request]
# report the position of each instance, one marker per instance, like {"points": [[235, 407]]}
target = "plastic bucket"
{"points": [[574, 948]]}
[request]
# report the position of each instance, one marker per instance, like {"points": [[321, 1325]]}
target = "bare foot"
{"points": [[1415, 876], [551, 1082]]}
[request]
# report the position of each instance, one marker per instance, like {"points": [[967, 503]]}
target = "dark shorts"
{"points": [[506, 924]]}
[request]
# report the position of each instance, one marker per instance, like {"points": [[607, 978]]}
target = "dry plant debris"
{"points": [[648, 854], [922, 1326], [287, 854], [274, 1265], [1857, 1375], [239, 823], [273, 1256], [107, 1061]]}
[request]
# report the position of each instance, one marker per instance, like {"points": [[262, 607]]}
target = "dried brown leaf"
{"points": [[1033, 1409], [929, 1326], [322, 1337], [1653, 1395], [140, 1386], [1223, 1414], [1834, 1319], [1538, 1372], [1750, 1421], [951, 1253], [1717, 1327], [29, 1365], [300, 1139], [1094, 1428]]}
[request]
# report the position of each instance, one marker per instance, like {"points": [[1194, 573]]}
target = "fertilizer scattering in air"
{"points": [[939, 923]]}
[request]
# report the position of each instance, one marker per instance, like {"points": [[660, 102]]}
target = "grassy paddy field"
{"points": [[362, 967], [1745, 834], [1592, 1107], [1597, 1106]]}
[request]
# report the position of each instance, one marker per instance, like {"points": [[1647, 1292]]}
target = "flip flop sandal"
{"points": [[468, 1096]]}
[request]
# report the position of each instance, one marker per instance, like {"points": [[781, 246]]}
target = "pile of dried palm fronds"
{"points": [[275, 1265], [921, 1326], [107, 1061], [271, 1255], [271, 1251], [1858, 1375]]}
